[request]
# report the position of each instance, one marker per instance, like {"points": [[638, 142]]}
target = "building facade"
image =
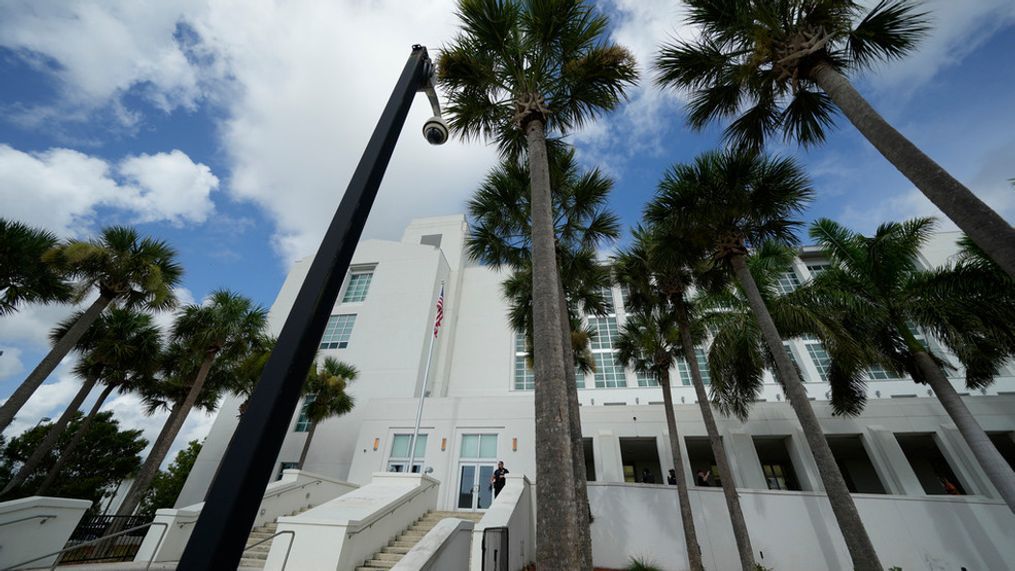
{"points": [[479, 405]]}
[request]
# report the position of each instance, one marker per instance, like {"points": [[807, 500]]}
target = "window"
{"points": [[286, 466], [356, 289], [647, 380], [787, 282], [303, 422], [816, 268], [879, 373], [478, 446], [609, 373], [336, 333], [524, 376], [685, 373], [607, 294], [398, 460], [606, 332], [773, 453], [822, 362]]}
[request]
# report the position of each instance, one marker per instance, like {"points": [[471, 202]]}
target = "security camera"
{"points": [[435, 130]]}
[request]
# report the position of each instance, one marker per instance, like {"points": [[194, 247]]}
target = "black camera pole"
{"points": [[234, 498]]}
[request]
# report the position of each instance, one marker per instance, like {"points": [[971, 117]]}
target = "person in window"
{"points": [[950, 488], [703, 477], [498, 479], [672, 478], [647, 477]]}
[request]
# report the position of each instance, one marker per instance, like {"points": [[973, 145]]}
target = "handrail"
{"points": [[375, 518], [56, 561], [287, 550], [43, 517]]}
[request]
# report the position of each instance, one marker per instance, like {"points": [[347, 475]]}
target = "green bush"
{"points": [[638, 564]]}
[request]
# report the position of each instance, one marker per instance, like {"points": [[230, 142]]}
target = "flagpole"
{"points": [[422, 395]]}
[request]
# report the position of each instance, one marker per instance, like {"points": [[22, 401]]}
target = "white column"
{"points": [[744, 460], [963, 463], [890, 462], [609, 464]]}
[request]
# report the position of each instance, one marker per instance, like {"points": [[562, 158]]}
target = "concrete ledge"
{"points": [[34, 526], [446, 546]]}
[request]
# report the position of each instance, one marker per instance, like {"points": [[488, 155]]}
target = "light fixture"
{"points": [[514, 444], [377, 443], [444, 444]]}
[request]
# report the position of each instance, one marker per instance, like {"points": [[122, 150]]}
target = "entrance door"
{"points": [[477, 461], [474, 489]]}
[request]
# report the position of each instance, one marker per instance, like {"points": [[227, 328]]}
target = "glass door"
{"points": [[477, 461]]}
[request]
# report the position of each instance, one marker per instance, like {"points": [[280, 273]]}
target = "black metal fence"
{"points": [[121, 548]]}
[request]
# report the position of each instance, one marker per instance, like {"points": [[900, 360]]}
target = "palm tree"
{"points": [[783, 66], [24, 276], [659, 272], [650, 341], [133, 272], [726, 202], [122, 343], [516, 72], [325, 396], [502, 237], [878, 282], [221, 332]]}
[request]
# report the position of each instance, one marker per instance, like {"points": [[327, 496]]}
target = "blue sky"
{"points": [[230, 129]]}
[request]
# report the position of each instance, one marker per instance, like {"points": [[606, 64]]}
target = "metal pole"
{"points": [[235, 495], [422, 395]]}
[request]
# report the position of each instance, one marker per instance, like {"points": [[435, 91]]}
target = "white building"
{"points": [[480, 409]]}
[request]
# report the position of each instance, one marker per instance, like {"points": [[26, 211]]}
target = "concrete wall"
{"points": [[295, 491], [513, 509], [343, 533], [443, 548], [796, 530], [34, 526]]}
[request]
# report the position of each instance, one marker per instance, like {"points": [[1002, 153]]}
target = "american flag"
{"points": [[440, 312]]}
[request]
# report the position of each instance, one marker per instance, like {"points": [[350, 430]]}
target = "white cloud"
{"points": [[10, 361], [101, 50], [60, 189], [170, 186], [129, 411], [48, 401]]}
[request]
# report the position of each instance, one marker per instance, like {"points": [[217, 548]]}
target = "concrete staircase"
{"points": [[257, 556], [387, 558]]}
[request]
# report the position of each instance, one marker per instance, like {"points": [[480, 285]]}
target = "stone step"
{"points": [[380, 563], [413, 536], [262, 548], [256, 563], [260, 534], [272, 527], [398, 550], [401, 543]]}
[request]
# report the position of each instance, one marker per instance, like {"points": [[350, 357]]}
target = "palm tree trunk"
{"points": [[67, 452], [861, 549], [686, 515], [986, 227], [581, 490], [557, 538], [306, 446], [164, 441], [50, 361], [52, 435], [729, 485]]}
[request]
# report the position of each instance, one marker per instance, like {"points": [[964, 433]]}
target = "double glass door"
{"points": [[477, 461], [475, 492]]}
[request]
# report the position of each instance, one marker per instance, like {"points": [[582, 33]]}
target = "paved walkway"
{"points": [[130, 566]]}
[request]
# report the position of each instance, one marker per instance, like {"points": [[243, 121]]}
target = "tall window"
{"points": [[816, 268], [607, 294], [398, 460], [685, 373], [787, 282], [609, 372], [303, 422], [646, 379], [879, 373], [525, 377], [822, 362], [337, 332], [356, 290]]}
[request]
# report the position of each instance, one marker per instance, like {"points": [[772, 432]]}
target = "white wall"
{"points": [[512, 509], [34, 526], [796, 530], [296, 491], [341, 534], [444, 547]]}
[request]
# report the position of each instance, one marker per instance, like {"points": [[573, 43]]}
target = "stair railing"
{"points": [[292, 539], [77, 546], [375, 518]]}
